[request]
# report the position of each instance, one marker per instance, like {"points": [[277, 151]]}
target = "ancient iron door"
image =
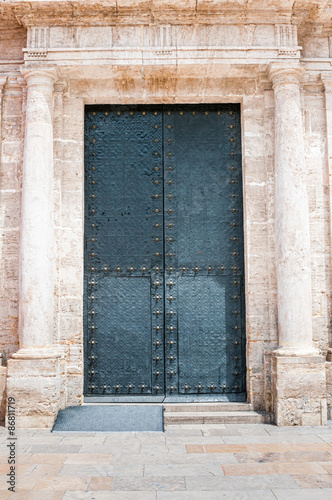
{"points": [[164, 308]]}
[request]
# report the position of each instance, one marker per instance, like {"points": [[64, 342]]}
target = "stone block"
{"points": [[75, 390], [255, 356], [253, 146], [72, 209], [258, 303], [12, 128], [35, 384], [10, 176], [11, 151], [10, 209], [255, 203], [63, 383], [253, 122], [75, 358], [73, 106], [315, 46], [71, 279], [257, 269], [258, 327], [328, 368], [254, 170], [72, 150], [71, 327], [321, 327], [299, 390]]}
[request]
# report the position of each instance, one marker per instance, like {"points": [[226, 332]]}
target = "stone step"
{"points": [[215, 417], [206, 407]]}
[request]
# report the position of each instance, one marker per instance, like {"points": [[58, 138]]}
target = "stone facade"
{"points": [[272, 57]]}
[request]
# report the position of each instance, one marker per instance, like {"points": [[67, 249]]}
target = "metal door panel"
{"points": [[203, 250], [123, 336], [123, 251], [208, 364]]}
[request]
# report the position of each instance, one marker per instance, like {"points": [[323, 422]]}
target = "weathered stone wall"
{"points": [[12, 87], [317, 186], [69, 192]]}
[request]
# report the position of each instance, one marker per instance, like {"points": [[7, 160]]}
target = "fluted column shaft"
{"points": [[293, 260]]}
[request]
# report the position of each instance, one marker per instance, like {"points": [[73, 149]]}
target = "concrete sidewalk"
{"points": [[259, 462]]}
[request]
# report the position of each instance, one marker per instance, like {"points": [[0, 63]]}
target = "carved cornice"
{"points": [[107, 12]]}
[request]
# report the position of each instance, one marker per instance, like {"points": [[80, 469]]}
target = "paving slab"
{"points": [[291, 456], [170, 470], [149, 483], [110, 495], [48, 448], [35, 495], [218, 495], [307, 494], [274, 468], [80, 439], [268, 482], [181, 458], [315, 481], [233, 431], [83, 470], [300, 438]]}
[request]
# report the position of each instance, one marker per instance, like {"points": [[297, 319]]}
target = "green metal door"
{"points": [[164, 301]]}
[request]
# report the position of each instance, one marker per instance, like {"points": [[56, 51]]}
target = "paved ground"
{"points": [[214, 462]]}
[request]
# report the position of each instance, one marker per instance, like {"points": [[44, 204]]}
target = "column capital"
{"points": [[284, 73], [60, 86], [40, 75], [327, 81]]}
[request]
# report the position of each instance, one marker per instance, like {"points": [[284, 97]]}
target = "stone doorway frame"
{"points": [[49, 363]]}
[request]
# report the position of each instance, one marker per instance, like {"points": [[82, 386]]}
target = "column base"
{"points": [[35, 383], [299, 390]]}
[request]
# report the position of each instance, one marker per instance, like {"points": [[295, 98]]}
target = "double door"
{"points": [[163, 302]]}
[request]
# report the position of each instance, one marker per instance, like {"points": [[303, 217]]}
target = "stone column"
{"points": [[33, 373], [327, 81], [299, 392]]}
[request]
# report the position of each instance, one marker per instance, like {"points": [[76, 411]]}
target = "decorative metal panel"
{"points": [[123, 251], [164, 298]]}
